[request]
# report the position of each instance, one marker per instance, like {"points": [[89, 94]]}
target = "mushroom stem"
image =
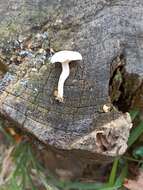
{"points": [[64, 75]]}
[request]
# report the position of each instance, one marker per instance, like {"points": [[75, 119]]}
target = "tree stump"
{"points": [[92, 124]]}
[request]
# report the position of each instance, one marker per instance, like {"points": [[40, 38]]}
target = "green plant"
{"points": [[27, 167]]}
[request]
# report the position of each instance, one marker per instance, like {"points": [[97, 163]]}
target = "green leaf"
{"points": [[13, 185], [138, 152], [7, 135], [134, 113], [119, 181], [132, 159], [122, 176], [83, 186], [31, 181], [113, 172], [135, 133], [115, 187]]}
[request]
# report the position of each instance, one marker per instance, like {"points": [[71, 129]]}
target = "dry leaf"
{"points": [[11, 131], [15, 135], [135, 184]]}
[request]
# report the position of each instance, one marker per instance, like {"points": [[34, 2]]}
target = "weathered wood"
{"points": [[103, 32]]}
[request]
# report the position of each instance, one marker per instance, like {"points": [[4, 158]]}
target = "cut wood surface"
{"points": [[109, 35]]}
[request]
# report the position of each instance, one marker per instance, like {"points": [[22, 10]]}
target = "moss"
{"points": [[21, 23], [18, 89], [9, 30], [3, 67], [123, 87], [116, 83], [63, 40], [31, 106]]}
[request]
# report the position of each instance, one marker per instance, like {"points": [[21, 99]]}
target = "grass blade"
{"points": [[134, 113], [113, 172], [122, 176], [135, 133], [83, 186]]}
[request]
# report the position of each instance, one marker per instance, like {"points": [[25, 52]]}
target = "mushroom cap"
{"points": [[65, 56]]}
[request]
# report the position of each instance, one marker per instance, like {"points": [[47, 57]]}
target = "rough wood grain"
{"points": [[101, 31]]}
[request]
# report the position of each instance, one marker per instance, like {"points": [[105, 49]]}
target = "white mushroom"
{"points": [[64, 57]]}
